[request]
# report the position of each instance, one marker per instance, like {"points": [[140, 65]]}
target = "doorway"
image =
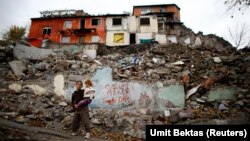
{"points": [[132, 38]]}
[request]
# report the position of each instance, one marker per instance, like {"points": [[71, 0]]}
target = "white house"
{"points": [[120, 30]]}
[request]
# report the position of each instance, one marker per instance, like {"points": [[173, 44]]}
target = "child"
{"points": [[88, 95]]}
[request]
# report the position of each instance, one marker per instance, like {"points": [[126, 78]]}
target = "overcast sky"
{"points": [[208, 16]]}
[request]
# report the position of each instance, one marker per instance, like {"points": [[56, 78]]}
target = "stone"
{"points": [[186, 114], [93, 68], [178, 63], [217, 59], [197, 41], [222, 93], [170, 82], [200, 100], [174, 118], [37, 89], [186, 72], [75, 66], [222, 107], [144, 111], [62, 104], [96, 121], [240, 103], [18, 68], [193, 103], [75, 78], [16, 87], [22, 119], [176, 69], [149, 64], [31, 116], [155, 76], [167, 113]]}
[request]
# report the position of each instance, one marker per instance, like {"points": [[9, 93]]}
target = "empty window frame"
{"points": [[117, 21], [96, 21], [161, 26], [118, 38], [46, 30], [68, 24], [65, 40], [144, 21]]}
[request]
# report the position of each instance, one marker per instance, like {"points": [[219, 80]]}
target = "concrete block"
{"points": [[224, 93], [174, 93], [17, 67]]}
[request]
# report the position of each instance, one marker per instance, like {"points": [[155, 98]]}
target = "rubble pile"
{"points": [[198, 67]]}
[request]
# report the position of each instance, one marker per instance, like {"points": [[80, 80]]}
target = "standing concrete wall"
{"points": [[152, 28], [132, 24], [114, 94], [112, 29]]}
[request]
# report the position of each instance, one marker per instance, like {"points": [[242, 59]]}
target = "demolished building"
{"points": [[151, 22]]}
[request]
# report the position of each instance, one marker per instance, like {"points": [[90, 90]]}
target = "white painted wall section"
{"points": [[153, 27], [162, 39]]}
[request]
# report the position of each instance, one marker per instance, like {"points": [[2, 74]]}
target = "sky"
{"points": [[207, 16]]}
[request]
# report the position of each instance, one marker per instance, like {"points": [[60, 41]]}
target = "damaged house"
{"points": [[148, 23], [168, 20], [62, 27]]}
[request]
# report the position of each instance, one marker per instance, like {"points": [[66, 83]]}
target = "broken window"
{"points": [[118, 38], [144, 21], [46, 30], [96, 21], [68, 24], [161, 25], [162, 9], [117, 21], [65, 40]]}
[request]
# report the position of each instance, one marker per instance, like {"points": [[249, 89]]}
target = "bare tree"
{"points": [[240, 4], [239, 35]]}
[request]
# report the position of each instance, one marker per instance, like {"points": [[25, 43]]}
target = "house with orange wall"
{"points": [[67, 30]]}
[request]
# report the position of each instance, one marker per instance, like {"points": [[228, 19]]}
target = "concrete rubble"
{"points": [[213, 76]]}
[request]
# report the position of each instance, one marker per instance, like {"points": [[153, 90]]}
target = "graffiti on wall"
{"points": [[144, 99], [116, 93]]}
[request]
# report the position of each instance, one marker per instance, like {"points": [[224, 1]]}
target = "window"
{"points": [[65, 40], [162, 9], [46, 30], [117, 21], [118, 38], [161, 26], [144, 21], [68, 24], [96, 21]]}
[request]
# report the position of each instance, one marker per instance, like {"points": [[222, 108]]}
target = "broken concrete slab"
{"points": [[37, 89], [223, 93], [217, 59], [174, 93], [197, 41], [26, 52], [59, 84], [18, 68], [15, 87]]}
